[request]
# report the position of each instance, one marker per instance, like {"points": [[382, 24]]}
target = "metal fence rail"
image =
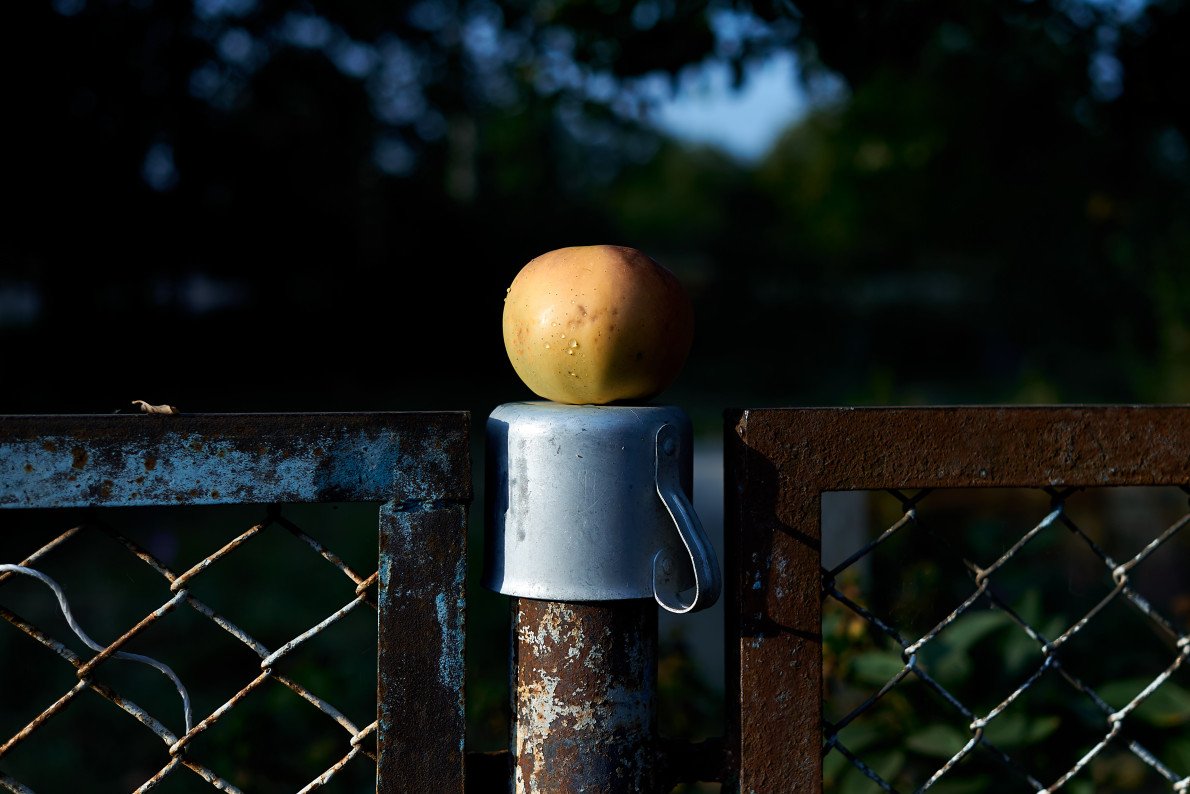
{"points": [[779, 464], [415, 470], [414, 467]]}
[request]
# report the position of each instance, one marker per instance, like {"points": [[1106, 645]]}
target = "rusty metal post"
{"points": [[590, 529], [584, 696]]}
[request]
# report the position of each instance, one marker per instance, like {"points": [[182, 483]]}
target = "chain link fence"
{"points": [[1016, 620], [263, 603], [994, 652], [178, 592], [1036, 645]]}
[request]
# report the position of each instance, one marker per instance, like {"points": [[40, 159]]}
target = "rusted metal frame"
{"points": [[421, 705], [417, 464], [779, 461], [131, 460]]}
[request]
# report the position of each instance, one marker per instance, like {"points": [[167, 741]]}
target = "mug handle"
{"points": [[707, 579]]}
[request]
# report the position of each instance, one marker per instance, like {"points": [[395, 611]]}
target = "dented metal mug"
{"points": [[592, 503]]}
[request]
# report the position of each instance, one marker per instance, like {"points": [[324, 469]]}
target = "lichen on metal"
{"points": [[450, 668]]}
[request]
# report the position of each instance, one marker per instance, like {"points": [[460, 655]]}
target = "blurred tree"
{"points": [[246, 180], [986, 202]]}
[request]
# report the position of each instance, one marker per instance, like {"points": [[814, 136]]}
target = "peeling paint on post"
{"points": [[584, 696]]}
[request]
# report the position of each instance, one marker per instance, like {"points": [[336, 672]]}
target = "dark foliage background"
{"points": [[248, 205]]}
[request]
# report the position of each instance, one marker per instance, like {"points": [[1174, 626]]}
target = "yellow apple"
{"points": [[597, 324]]}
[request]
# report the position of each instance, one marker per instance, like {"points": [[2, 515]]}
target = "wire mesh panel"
{"points": [[1039, 646], [292, 621], [1007, 639]]}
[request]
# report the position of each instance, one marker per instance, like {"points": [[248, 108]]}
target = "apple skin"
{"points": [[596, 325]]}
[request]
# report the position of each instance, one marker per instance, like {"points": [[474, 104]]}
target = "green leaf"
{"points": [[1007, 730], [972, 627], [1018, 650], [1177, 752], [949, 657], [951, 669], [1029, 607], [876, 667], [1013, 730], [937, 741], [887, 765], [1167, 706], [970, 786], [834, 765], [1042, 727], [856, 782], [1053, 628], [859, 735]]}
